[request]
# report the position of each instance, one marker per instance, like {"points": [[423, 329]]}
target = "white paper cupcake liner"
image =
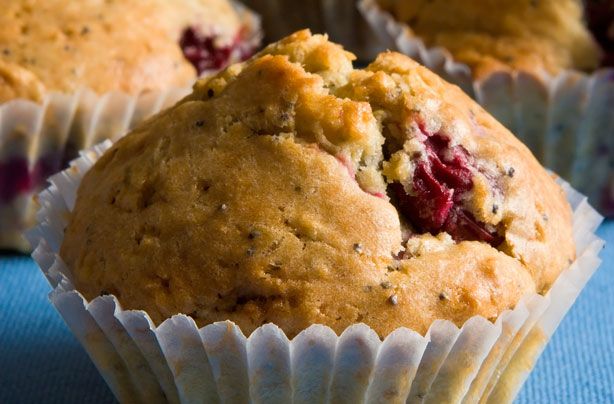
{"points": [[58, 128], [338, 18], [178, 362], [567, 121], [54, 131]]}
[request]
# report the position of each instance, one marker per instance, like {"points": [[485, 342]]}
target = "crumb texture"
{"points": [[295, 189], [105, 45], [539, 36]]}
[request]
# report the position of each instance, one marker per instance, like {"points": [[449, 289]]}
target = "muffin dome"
{"points": [[130, 45], [295, 189], [544, 36]]}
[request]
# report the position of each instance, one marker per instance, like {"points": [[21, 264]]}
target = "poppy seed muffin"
{"points": [[296, 190], [539, 36], [104, 45]]}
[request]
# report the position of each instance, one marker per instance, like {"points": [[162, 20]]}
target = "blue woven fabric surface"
{"points": [[41, 362]]}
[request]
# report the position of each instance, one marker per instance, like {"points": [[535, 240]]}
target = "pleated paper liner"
{"points": [[178, 362], [567, 121], [39, 139]]}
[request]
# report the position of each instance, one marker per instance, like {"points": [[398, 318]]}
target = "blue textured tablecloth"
{"points": [[41, 362]]}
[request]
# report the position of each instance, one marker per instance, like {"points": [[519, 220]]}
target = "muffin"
{"points": [[293, 196], [545, 36], [297, 190], [74, 73], [64, 46]]}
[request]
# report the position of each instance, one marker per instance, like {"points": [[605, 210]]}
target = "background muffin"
{"points": [[75, 73], [543, 36], [289, 181], [127, 46]]}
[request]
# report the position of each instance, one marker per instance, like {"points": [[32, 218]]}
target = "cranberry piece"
{"points": [[461, 225], [440, 180], [433, 200], [204, 54], [14, 178], [449, 164]]}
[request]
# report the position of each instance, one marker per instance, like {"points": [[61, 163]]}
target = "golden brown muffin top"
{"points": [[539, 36], [296, 190], [105, 45]]}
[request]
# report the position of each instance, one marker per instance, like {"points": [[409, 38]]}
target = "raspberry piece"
{"points": [[14, 178], [449, 165], [204, 54], [433, 200], [434, 203], [461, 225]]}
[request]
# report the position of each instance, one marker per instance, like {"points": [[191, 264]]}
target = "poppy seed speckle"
{"points": [[254, 234]]}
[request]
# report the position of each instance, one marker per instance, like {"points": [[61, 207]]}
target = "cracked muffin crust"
{"points": [[296, 190], [108, 45], [539, 36]]}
